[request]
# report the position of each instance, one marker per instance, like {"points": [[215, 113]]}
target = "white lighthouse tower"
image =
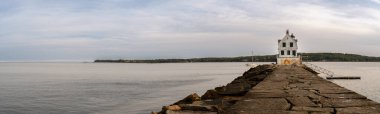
{"points": [[287, 50]]}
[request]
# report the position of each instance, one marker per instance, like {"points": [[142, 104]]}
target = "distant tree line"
{"points": [[312, 57], [338, 57]]}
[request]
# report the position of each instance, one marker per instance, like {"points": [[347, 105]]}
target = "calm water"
{"points": [[112, 88], [370, 76]]}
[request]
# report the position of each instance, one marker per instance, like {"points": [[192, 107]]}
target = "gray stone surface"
{"points": [[312, 109], [266, 94], [334, 91], [359, 110], [301, 101], [344, 96], [198, 106], [304, 92], [262, 104], [341, 103], [189, 112], [286, 90], [267, 112]]}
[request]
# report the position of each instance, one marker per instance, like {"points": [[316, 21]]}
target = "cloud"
{"points": [[376, 1], [180, 29]]}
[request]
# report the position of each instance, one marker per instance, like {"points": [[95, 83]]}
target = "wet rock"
{"points": [[257, 77], [173, 107], [210, 94], [168, 108], [199, 106], [261, 69], [234, 89], [189, 99], [232, 98], [220, 98]]}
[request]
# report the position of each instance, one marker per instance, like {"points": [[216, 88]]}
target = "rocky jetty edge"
{"points": [[276, 89], [221, 98]]}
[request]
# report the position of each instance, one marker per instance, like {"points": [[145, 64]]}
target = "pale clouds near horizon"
{"points": [[147, 29]]}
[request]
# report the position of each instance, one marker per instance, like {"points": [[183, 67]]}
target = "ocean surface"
{"points": [[123, 88]]}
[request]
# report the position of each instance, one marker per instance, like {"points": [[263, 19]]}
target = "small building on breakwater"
{"points": [[287, 50]]}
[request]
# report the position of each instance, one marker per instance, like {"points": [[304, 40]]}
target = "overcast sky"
{"points": [[148, 29]]}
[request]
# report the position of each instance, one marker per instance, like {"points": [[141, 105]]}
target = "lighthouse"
{"points": [[287, 50]]}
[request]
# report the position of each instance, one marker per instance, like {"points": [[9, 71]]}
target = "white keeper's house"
{"points": [[287, 50]]}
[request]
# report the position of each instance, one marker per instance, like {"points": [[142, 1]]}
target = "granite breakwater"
{"points": [[276, 89]]}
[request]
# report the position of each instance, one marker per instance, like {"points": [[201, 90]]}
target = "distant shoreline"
{"points": [[307, 57]]}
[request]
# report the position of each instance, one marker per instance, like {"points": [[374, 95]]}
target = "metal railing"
{"points": [[319, 69]]}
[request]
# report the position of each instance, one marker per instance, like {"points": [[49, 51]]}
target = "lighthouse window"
{"points": [[291, 44], [288, 52], [282, 52], [284, 44]]}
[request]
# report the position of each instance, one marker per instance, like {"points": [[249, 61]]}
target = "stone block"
{"points": [[265, 112], [298, 92], [266, 94], [344, 96], [198, 106], [189, 112], [312, 109], [342, 103], [334, 91], [234, 89], [301, 101], [359, 110], [262, 104], [189, 99], [210, 94]]}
